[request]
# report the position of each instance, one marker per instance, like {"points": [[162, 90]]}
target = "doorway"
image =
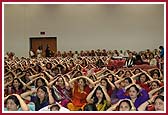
{"points": [[51, 42]]}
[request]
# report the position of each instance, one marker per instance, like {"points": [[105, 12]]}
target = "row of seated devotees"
{"points": [[54, 84], [98, 52]]}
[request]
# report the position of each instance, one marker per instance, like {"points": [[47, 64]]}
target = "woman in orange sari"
{"points": [[80, 90]]}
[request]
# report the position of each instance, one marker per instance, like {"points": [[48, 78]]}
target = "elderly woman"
{"points": [[15, 103]]}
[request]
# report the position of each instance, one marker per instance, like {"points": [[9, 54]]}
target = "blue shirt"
{"points": [[162, 53], [41, 105], [141, 99]]}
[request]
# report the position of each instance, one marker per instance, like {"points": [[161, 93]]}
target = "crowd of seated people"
{"points": [[85, 81]]}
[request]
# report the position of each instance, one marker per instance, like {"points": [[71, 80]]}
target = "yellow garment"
{"points": [[102, 107], [72, 107]]}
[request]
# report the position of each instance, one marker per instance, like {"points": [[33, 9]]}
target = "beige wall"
{"points": [[77, 27]]}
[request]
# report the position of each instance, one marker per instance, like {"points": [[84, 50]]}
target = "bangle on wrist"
{"points": [[149, 101]]}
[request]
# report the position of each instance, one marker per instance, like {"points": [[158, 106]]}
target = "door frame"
{"points": [[43, 40]]}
